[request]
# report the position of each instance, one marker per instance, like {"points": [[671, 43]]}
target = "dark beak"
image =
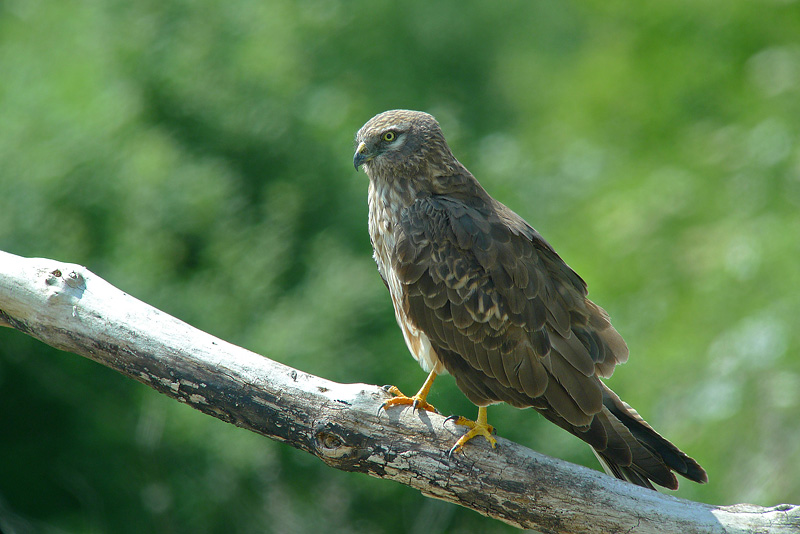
{"points": [[361, 155]]}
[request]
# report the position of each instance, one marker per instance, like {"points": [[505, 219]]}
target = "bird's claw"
{"points": [[475, 429], [416, 402]]}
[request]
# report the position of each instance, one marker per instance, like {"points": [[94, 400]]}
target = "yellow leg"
{"points": [[417, 401], [479, 427]]}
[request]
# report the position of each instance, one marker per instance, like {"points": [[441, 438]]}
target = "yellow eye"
{"points": [[389, 137]]}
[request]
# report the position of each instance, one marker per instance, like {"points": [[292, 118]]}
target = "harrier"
{"points": [[479, 294]]}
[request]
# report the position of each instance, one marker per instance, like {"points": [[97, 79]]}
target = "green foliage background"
{"points": [[198, 155]]}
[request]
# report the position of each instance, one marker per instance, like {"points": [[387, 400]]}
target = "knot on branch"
{"points": [[67, 287], [336, 445]]}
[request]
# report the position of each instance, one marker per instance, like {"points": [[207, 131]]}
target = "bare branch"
{"points": [[70, 308]]}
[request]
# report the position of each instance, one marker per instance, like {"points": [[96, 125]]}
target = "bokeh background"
{"points": [[198, 155]]}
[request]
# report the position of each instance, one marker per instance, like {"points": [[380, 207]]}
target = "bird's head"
{"points": [[402, 143]]}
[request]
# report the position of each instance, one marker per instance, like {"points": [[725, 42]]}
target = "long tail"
{"points": [[634, 451]]}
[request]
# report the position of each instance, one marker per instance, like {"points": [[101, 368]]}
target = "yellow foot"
{"points": [[417, 402], [476, 428]]}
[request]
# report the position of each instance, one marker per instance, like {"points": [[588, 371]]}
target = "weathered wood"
{"points": [[72, 309]]}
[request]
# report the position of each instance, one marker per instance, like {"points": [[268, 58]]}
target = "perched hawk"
{"points": [[479, 294]]}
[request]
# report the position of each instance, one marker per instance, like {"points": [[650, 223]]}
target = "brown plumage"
{"points": [[480, 294]]}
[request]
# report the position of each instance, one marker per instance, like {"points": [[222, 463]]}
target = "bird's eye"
{"points": [[389, 137]]}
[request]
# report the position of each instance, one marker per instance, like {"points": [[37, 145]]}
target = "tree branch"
{"points": [[72, 309]]}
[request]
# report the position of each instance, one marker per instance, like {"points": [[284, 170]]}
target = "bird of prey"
{"points": [[479, 294]]}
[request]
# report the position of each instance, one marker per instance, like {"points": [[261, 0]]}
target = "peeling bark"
{"points": [[72, 309]]}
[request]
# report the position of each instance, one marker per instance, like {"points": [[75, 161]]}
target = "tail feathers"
{"points": [[630, 456], [635, 452], [623, 473]]}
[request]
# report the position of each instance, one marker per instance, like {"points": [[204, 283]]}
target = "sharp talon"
{"points": [[452, 451], [452, 418], [423, 405]]}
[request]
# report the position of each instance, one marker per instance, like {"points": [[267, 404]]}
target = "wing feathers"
{"points": [[574, 352], [585, 390], [511, 322], [485, 281], [532, 375], [565, 406]]}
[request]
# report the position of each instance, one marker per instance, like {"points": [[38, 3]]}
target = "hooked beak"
{"points": [[361, 156]]}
